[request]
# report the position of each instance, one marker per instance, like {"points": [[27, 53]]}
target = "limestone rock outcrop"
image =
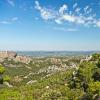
{"points": [[13, 55], [23, 59], [7, 54]]}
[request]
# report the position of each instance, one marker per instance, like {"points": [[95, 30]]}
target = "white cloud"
{"points": [[11, 2], [63, 14], [98, 23], [65, 29], [75, 5], [63, 8], [72, 30], [45, 13], [77, 10], [9, 21], [89, 11], [37, 5], [14, 19], [86, 8], [58, 21], [5, 22], [68, 18]]}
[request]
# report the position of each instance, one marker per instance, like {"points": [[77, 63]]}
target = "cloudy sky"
{"points": [[50, 25]]}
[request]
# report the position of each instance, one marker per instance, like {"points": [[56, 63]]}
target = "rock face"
{"points": [[22, 59], [14, 56], [7, 54]]}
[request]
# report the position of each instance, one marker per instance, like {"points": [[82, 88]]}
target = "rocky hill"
{"points": [[50, 78], [13, 56], [7, 54]]}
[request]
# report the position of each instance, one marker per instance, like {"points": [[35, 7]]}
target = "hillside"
{"points": [[51, 78]]}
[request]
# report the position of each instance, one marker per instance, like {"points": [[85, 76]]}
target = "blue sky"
{"points": [[50, 25]]}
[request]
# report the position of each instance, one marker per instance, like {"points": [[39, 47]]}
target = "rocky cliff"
{"points": [[7, 54], [13, 56], [23, 59]]}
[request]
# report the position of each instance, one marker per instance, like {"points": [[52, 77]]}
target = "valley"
{"points": [[50, 78]]}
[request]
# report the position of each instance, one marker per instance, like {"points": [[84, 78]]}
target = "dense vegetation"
{"points": [[78, 83]]}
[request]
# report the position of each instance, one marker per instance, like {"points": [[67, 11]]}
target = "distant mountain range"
{"points": [[55, 53]]}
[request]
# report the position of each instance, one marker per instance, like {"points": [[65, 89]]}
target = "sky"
{"points": [[59, 25]]}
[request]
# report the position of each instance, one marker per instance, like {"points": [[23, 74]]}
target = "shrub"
{"points": [[6, 78]]}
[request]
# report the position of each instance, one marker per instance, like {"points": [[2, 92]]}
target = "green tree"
{"points": [[96, 57], [94, 90], [2, 70]]}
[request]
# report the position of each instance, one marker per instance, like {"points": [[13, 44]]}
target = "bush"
{"points": [[94, 90], [6, 78], [2, 69]]}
